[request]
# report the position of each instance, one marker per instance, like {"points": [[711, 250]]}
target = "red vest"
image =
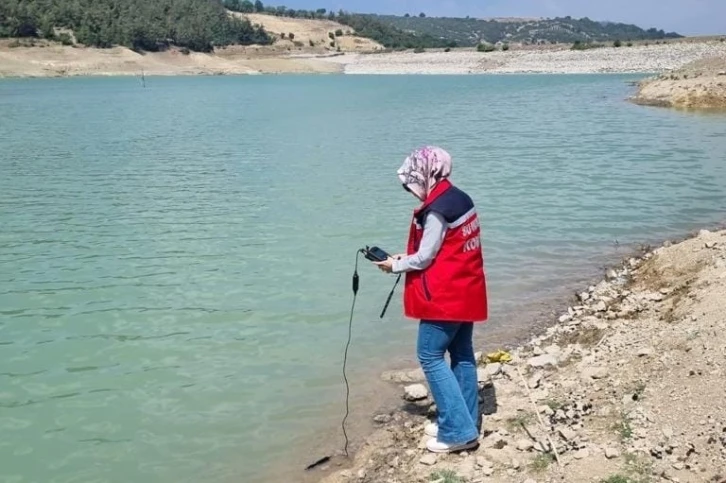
{"points": [[453, 287]]}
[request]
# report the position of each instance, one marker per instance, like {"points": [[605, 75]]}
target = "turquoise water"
{"points": [[175, 261]]}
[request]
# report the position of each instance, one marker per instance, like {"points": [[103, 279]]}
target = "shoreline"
{"points": [[54, 60], [395, 449]]}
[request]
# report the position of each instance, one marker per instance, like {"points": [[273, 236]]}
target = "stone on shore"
{"points": [[415, 392], [542, 361]]}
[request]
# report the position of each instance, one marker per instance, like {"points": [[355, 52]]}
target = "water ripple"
{"points": [[174, 288]]}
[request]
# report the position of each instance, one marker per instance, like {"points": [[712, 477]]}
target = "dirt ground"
{"points": [[628, 386]]}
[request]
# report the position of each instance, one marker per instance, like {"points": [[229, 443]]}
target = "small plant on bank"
{"points": [[623, 427], [291, 35], [447, 49], [554, 404], [312, 44], [331, 35], [580, 45], [629, 44], [419, 50], [617, 479], [485, 48], [520, 421], [332, 44], [338, 33], [617, 43], [505, 47], [542, 462], [446, 476]]}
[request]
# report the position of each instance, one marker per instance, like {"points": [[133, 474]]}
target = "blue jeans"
{"points": [[455, 389]]}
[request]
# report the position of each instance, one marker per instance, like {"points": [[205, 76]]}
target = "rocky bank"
{"points": [[628, 385], [698, 85]]}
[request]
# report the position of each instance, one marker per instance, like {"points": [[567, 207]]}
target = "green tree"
{"points": [[259, 6], [247, 6]]}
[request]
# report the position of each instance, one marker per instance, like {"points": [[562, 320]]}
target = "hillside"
{"points": [[311, 33], [196, 25], [470, 31]]}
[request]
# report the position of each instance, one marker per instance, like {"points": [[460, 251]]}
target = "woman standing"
{"points": [[446, 290]]}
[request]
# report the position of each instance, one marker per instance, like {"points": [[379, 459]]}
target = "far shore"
{"points": [[55, 60]]}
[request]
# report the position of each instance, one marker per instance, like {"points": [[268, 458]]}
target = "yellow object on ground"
{"points": [[499, 356]]}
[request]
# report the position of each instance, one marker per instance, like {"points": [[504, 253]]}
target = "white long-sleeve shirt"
{"points": [[433, 237]]}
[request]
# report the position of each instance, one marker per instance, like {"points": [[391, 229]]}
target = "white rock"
{"points": [[535, 380], [524, 445], [582, 454], [704, 233], [600, 307], [553, 350], [494, 368], [415, 392], [611, 453], [542, 361], [584, 296], [564, 318], [483, 376], [594, 373], [428, 459], [567, 434], [611, 274]]}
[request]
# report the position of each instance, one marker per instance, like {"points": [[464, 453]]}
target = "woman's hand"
{"points": [[386, 266]]}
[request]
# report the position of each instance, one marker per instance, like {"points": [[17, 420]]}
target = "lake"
{"points": [[175, 260]]}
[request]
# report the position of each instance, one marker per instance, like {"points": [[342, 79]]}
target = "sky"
{"points": [[687, 17]]}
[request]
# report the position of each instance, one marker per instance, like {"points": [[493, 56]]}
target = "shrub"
{"points": [[14, 44], [331, 35], [447, 49], [629, 44], [485, 48], [578, 45], [312, 44], [65, 39], [283, 36], [297, 43], [419, 50], [185, 51], [291, 35], [617, 43], [505, 47], [332, 44], [338, 33]]}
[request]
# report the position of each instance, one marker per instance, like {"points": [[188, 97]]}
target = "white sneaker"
{"points": [[432, 429], [437, 447]]}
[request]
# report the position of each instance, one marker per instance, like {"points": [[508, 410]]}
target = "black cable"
{"points": [[347, 345], [390, 296]]}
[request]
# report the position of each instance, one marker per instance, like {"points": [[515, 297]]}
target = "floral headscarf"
{"points": [[423, 169]]}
